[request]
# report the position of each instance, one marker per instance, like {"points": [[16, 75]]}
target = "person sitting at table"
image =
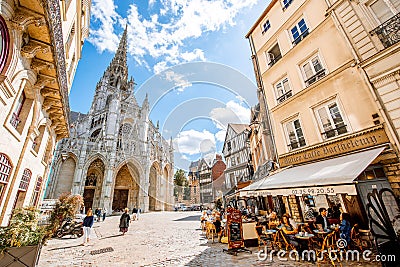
{"points": [[289, 230], [322, 219], [273, 221], [345, 227], [218, 226]]}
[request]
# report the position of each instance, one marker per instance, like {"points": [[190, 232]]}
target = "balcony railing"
{"points": [[273, 61], [284, 96], [319, 75], [389, 31], [335, 132], [15, 120], [301, 37]]}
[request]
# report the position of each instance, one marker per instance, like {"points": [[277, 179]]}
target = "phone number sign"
{"points": [[349, 189]]}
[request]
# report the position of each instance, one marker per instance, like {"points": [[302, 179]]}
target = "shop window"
{"points": [[312, 70], [331, 120], [299, 31], [26, 177], [371, 173], [283, 90], [295, 134], [4, 44]]}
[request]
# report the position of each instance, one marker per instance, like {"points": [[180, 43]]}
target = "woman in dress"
{"points": [[345, 227], [124, 221]]}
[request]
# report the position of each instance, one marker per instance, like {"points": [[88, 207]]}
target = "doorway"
{"points": [[120, 200], [88, 195]]}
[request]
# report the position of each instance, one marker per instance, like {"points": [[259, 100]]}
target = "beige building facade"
{"points": [[320, 105], [33, 95]]}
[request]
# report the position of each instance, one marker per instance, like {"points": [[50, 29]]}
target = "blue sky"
{"points": [[189, 56]]}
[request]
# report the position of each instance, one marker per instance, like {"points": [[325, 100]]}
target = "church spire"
{"points": [[117, 71]]}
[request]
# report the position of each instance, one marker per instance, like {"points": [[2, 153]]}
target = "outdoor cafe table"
{"points": [[307, 238]]}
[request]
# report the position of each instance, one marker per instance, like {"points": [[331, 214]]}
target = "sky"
{"points": [[190, 57]]}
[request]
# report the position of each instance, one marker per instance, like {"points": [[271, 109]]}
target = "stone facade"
{"points": [[115, 156], [34, 106]]}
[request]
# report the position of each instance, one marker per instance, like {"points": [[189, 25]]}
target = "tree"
{"points": [[181, 184]]}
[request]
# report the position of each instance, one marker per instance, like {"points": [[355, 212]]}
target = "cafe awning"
{"points": [[331, 177]]}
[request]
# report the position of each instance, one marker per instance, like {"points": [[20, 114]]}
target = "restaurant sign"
{"points": [[357, 141]]}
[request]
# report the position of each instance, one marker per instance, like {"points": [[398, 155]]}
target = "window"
{"points": [[69, 40], [295, 134], [36, 193], [331, 120], [286, 3], [229, 146], [312, 70], [385, 9], [15, 120], [5, 171], [283, 90], [299, 31], [266, 26], [273, 55], [26, 177], [4, 43]]}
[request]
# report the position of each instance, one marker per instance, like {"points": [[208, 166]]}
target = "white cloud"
{"points": [[220, 136], [231, 113], [193, 142], [163, 36], [178, 79]]}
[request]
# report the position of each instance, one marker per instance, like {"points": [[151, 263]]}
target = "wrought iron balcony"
{"points": [[273, 61], [389, 31], [15, 120], [284, 96], [319, 75], [335, 132]]}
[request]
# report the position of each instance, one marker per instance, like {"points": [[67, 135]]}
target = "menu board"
{"points": [[235, 231]]}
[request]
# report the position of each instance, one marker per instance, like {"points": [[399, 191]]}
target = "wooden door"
{"points": [[120, 200], [88, 195]]}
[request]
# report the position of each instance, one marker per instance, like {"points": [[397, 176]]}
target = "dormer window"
{"points": [[266, 26]]}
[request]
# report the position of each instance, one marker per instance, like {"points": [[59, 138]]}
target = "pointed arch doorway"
{"points": [[126, 188], [93, 184]]}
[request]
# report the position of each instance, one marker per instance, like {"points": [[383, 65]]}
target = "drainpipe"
{"points": [[266, 115]]}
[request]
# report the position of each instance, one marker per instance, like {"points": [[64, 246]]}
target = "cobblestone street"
{"points": [[157, 239]]}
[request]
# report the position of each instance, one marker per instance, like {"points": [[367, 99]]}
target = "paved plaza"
{"points": [[157, 239]]}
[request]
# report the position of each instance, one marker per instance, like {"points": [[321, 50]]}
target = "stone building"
{"points": [[193, 177], [34, 86], [333, 144], [115, 156]]}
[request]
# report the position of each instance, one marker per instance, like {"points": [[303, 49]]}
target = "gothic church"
{"points": [[115, 156]]}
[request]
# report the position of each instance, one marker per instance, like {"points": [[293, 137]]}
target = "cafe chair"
{"points": [[281, 241], [263, 239], [327, 250], [211, 231], [359, 241]]}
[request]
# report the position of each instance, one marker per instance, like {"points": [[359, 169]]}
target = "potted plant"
{"points": [[22, 239]]}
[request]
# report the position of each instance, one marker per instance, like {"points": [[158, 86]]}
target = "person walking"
{"points": [[124, 221], [104, 213], [134, 213], [87, 225], [138, 213]]}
